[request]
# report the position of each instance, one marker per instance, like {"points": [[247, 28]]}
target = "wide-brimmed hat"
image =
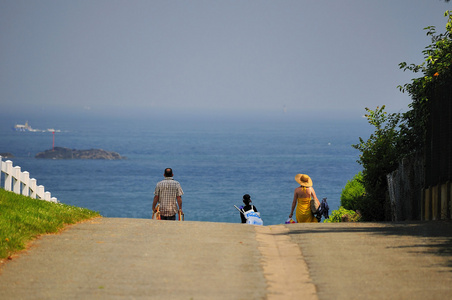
{"points": [[303, 180]]}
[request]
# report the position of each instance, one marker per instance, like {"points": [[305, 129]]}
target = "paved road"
{"points": [[110, 258], [378, 261]]}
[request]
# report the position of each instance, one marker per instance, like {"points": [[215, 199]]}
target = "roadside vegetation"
{"points": [[351, 199], [343, 215], [22, 219], [397, 135]]}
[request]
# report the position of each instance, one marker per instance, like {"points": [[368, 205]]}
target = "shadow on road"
{"points": [[433, 237]]}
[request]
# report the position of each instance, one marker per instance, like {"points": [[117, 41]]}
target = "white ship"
{"points": [[26, 127], [21, 127]]}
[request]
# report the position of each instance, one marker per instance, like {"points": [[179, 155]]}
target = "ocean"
{"points": [[216, 161]]}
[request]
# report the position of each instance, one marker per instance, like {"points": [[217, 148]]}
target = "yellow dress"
{"points": [[303, 212]]}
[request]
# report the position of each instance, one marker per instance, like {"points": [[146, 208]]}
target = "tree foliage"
{"points": [[399, 135], [379, 157], [436, 70]]}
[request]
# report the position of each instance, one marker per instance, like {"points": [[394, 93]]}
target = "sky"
{"points": [[134, 58]]}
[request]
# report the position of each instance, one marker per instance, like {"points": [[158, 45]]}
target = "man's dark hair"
{"points": [[168, 172]]}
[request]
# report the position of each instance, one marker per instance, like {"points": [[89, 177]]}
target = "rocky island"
{"points": [[67, 153], [6, 155]]}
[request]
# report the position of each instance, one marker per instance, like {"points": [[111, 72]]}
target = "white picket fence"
{"points": [[20, 182]]}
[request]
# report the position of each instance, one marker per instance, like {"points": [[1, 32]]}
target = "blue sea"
{"points": [[216, 160]]}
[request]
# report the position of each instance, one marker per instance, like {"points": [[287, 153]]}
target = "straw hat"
{"points": [[303, 180]]}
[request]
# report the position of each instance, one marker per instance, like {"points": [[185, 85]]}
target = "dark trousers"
{"points": [[170, 218]]}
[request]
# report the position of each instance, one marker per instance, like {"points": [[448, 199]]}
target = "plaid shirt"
{"points": [[167, 190]]}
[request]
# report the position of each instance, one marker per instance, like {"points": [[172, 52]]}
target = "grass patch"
{"points": [[23, 218]]}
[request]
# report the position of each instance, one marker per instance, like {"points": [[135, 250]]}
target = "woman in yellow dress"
{"points": [[302, 199]]}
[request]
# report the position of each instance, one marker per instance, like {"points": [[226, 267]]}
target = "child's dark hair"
{"points": [[246, 199]]}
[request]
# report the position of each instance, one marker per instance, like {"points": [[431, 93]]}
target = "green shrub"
{"points": [[353, 193], [343, 215]]}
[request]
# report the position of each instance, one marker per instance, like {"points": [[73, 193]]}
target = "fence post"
{"points": [[444, 201], [422, 204], [1, 169], [450, 200], [40, 192], [392, 196], [428, 204], [435, 203], [20, 183], [25, 178], [16, 180], [8, 175], [33, 188]]}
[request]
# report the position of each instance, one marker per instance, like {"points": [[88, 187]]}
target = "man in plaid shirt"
{"points": [[168, 193]]}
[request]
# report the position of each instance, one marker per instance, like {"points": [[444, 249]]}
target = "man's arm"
{"points": [[156, 200], [179, 202]]}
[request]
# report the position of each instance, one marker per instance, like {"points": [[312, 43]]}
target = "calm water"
{"points": [[215, 162]]}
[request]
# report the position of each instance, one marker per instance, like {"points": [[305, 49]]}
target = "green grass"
{"points": [[23, 218]]}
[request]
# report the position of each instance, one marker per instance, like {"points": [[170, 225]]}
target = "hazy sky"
{"points": [[150, 57]]}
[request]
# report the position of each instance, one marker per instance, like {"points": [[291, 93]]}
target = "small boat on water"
{"points": [[23, 127], [27, 127]]}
